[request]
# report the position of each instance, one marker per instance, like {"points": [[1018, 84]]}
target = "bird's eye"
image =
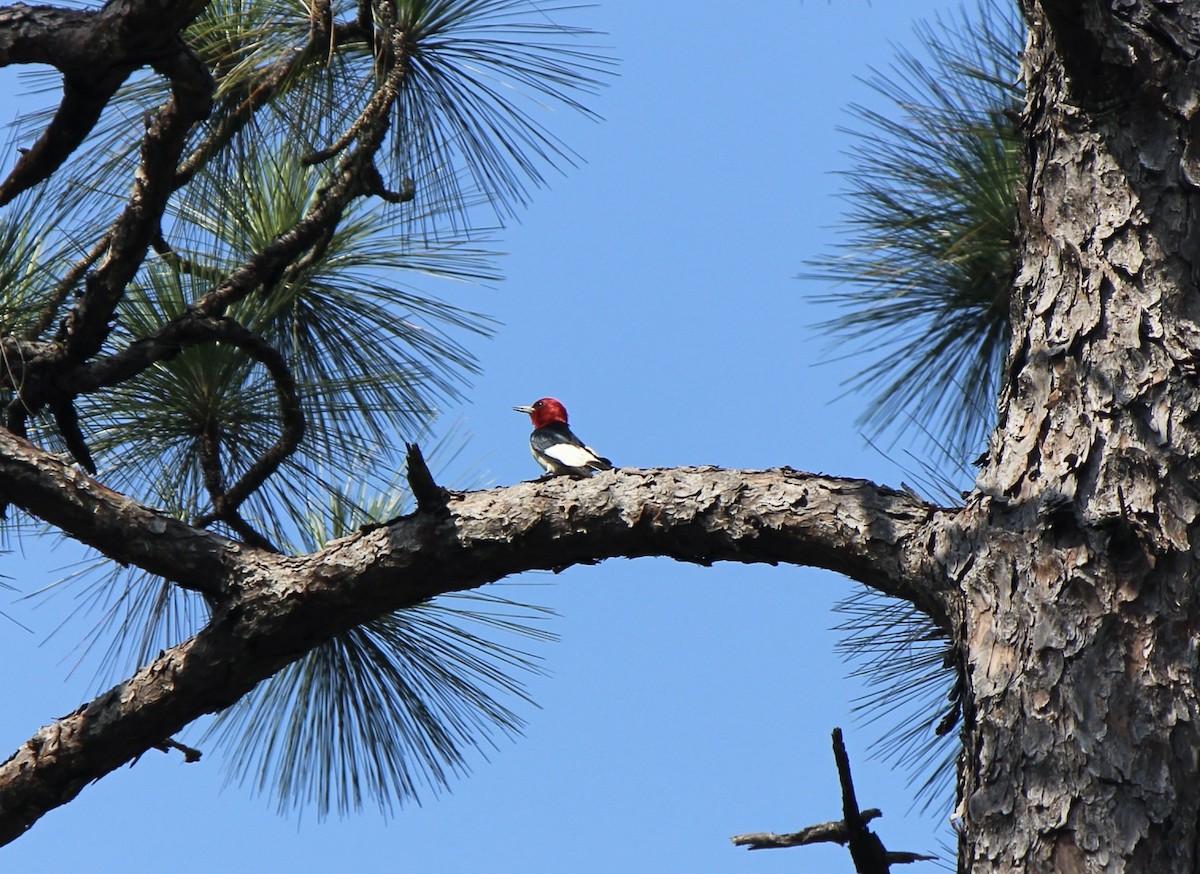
{"points": [[538, 405]]}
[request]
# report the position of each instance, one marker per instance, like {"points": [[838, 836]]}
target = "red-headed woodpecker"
{"points": [[553, 445]]}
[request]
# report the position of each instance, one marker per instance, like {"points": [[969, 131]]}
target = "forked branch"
{"points": [[866, 849]]}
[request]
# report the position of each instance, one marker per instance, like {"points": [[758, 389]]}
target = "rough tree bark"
{"points": [[1079, 597], [1067, 580], [271, 608]]}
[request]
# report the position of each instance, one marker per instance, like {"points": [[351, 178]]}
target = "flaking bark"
{"points": [[1081, 726]]}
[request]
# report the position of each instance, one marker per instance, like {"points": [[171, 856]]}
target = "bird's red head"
{"points": [[545, 412]]}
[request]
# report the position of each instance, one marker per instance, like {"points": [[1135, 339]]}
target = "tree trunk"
{"points": [[1080, 607]]}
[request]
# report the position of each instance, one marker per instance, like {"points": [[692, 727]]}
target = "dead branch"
{"points": [[866, 849]]}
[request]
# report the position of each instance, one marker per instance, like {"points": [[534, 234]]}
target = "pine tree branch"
{"points": [[376, 107], [114, 525], [351, 179], [239, 107], [82, 103], [67, 420], [95, 50], [227, 501], [866, 849], [271, 609], [56, 373], [190, 754], [87, 325]]}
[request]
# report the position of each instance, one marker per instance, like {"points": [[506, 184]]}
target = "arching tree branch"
{"points": [[271, 609]]}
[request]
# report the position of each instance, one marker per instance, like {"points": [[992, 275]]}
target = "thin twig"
{"points": [[190, 754], [226, 503], [64, 288]]}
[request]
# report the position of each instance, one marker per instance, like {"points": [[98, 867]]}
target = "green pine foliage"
{"points": [[364, 323], [926, 261], [925, 271], [388, 711]]}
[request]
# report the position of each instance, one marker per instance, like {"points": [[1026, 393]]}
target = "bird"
{"points": [[553, 444]]}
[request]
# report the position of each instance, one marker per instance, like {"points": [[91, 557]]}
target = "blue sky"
{"points": [[653, 289]]}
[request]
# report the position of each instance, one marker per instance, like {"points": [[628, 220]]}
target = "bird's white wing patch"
{"points": [[570, 455]]}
